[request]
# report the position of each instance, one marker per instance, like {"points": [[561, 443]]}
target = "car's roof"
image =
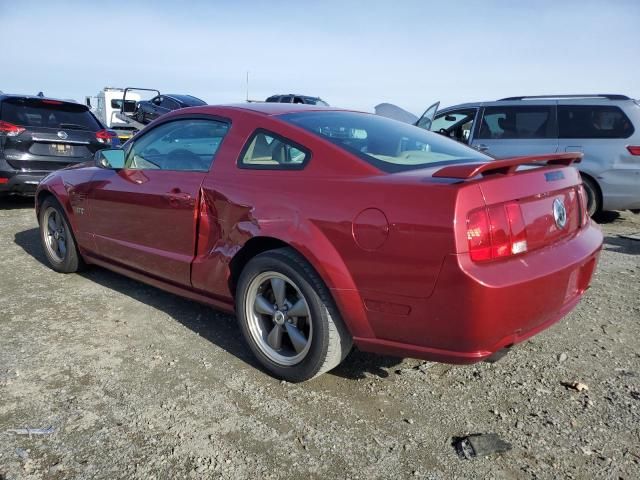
{"points": [[268, 108], [34, 97], [295, 95], [595, 99], [182, 98]]}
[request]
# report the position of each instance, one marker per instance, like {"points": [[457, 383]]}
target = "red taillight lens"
{"points": [[104, 136], [496, 232], [3, 181], [9, 129], [478, 235], [634, 149], [584, 212]]}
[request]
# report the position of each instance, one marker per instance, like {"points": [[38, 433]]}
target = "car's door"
{"points": [[152, 107], [427, 117], [514, 130], [143, 215], [457, 124]]}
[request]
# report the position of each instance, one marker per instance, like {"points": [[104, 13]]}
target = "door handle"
{"points": [[482, 147]]}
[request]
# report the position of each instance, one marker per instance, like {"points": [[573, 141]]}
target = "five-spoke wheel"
{"points": [[279, 318], [57, 238], [288, 317]]}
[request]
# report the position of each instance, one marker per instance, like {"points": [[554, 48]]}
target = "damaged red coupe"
{"points": [[323, 228]]}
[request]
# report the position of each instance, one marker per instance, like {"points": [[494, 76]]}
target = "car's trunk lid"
{"points": [[542, 195]]}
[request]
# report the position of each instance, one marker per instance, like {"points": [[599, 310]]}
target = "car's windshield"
{"points": [[386, 144]]}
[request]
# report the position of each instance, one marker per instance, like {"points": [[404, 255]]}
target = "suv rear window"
{"points": [[386, 144], [584, 121], [28, 112], [517, 122]]}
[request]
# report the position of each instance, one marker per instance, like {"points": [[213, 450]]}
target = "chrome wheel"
{"points": [[55, 234], [279, 318]]}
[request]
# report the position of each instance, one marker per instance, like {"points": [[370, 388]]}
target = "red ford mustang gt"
{"points": [[322, 228]]}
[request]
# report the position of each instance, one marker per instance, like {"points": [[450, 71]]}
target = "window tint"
{"points": [[169, 103], [179, 145], [48, 114], [456, 125], [583, 121], [386, 144], [268, 151], [517, 122], [285, 99]]}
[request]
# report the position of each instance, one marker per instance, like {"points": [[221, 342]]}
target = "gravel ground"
{"points": [[140, 384]]}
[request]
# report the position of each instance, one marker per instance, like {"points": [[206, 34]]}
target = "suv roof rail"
{"points": [[609, 96]]}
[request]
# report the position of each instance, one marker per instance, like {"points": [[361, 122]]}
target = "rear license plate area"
{"points": [[61, 149]]}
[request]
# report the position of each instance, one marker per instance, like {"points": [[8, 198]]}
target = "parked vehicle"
{"points": [[606, 128], [39, 135], [324, 227], [146, 111], [295, 98], [108, 103]]}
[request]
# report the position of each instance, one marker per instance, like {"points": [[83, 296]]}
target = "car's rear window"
{"points": [[386, 144], [28, 112]]}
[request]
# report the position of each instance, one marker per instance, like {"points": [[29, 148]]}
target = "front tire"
{"points": [[288, 317], [57, 239], [140, 115]]}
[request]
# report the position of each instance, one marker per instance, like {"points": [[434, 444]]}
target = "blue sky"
{"points": [[352, 54]]}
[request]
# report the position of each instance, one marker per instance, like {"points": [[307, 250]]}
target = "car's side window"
{"points": [[457, 124], [180, 145], [169, 103], [584, 121], [266, 150], [510, 122]]}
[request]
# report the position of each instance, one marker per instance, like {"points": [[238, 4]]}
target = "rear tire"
{"points": [[140, 115], [288, 317], [594, 199], [57, 239]]}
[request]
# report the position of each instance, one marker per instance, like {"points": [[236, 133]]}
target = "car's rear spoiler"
{"points": [[506, 166]]}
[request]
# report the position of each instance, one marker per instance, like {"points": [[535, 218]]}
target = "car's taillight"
{"points": [[104, 136], [634, 149], [496, 232], [584, 207], [9, 129]]}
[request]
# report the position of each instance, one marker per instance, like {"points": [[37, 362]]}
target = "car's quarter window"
{"points": [[187, 145], [266, 150], [508, 122], [584, 121], [388, 145]]}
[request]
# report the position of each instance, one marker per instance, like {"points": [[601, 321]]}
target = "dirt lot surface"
{"points": [[138, 383]]}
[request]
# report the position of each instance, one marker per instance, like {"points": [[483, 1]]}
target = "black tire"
{"points": [[69, 260], [330, 341], [594, 199], [140, 115]]}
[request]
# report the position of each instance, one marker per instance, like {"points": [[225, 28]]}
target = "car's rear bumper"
{"points": [[476, 310], [20, 183]]}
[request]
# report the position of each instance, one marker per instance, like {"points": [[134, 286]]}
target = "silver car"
{"points": [[606, 128]]}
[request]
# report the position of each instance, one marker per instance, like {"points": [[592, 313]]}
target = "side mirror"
{"points": [[450, 118], [111, 158]]}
